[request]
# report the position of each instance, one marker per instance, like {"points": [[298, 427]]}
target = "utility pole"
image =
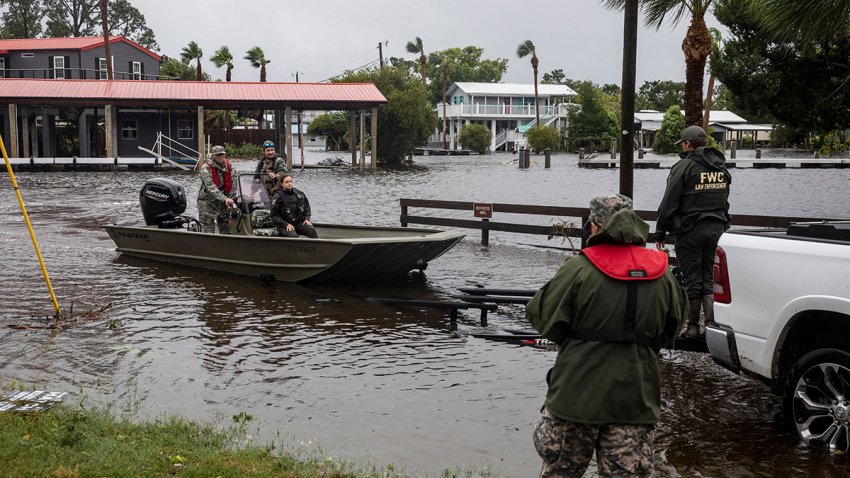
{"points": [[627, 112], [445, 79], [300, 137], [381, 54]]}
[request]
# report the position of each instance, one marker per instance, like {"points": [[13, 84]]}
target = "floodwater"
{"points": [[323, 370]]}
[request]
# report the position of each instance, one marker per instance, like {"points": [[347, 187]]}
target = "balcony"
{"points": [[500, 111], [74, 74]]}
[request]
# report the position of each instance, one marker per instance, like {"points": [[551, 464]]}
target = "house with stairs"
{"points": [[506, 109]]}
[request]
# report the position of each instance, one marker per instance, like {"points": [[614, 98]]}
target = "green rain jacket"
{"points": [[606, 382], [697, 188]]}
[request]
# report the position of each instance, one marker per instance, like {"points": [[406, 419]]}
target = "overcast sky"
{"points": [[322, 38]]}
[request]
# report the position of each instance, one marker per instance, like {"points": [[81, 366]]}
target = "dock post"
{"points": [[287, 133], [581, 153], [758, 153], [641, 152], [13, 130], [613, 148], [352, 137], [521, 157], [733, 151], [485, 232], [548, 160]]}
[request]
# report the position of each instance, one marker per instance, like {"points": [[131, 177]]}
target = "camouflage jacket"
{"points": [[211, 196]]}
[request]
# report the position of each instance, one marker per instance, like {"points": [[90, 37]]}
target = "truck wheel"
{"points": [[817, 399]]}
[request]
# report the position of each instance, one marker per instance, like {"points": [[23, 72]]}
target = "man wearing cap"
{"points": [[215, 197], [610, 308], [695, 209], [272, 168]]}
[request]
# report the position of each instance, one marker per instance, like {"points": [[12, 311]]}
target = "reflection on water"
{"points": [[367, 381]]}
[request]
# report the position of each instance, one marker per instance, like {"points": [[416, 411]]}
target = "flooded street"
{"points": [[321, 369]]}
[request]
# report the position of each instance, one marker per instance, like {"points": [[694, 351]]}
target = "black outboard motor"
{"points": [[162, 200]]}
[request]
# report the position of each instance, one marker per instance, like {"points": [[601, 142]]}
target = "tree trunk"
{"points": [[708, 100], [422, 61], [199, 74], [263, 74], [229, 72], [534, 63], [104, 23], [696, 47]]}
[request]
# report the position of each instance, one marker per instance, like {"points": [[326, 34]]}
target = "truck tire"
{"points": [[816, 399]]}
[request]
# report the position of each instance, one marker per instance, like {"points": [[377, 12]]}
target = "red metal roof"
{"points": [[189, 93], [71, 43]]}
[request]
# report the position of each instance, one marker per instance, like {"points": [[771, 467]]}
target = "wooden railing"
{"points": [[565, 229]]}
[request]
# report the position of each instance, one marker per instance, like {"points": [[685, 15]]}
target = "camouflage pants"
{"points": [[209, 217], [567, 447]]}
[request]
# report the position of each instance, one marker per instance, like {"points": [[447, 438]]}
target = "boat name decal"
{"points": [[302, 249], [132, 235]]}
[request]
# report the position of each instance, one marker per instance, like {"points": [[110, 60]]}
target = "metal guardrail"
{"points": [[582, 213]]}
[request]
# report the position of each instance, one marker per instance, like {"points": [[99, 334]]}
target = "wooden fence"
{"points": [[564, 229]]}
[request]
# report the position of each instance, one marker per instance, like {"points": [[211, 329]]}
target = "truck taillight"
{"points": [[720, 271]]}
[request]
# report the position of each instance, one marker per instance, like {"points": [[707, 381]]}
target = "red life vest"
{"points": [[227, 179], [627, 261]]}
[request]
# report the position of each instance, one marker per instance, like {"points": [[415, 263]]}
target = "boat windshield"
{"points": [[252, 192]]}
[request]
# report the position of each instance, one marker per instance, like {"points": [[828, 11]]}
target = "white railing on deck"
{"points": [[479, 110]]}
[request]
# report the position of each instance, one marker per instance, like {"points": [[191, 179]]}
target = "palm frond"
{"points": [[525, 48], [808, 19]]}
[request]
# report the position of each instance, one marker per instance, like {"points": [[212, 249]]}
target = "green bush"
{"points": [[670, 131], [475, 137], [243, 151], [541, 137]]}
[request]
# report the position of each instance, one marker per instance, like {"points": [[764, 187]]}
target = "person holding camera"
{"points": [[290, 211], [217, 192], [610, 308], [271, 167]]}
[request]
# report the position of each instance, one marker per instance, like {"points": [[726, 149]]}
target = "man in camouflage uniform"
{"points": [[272, 168], [611, 308], [215, 197]]}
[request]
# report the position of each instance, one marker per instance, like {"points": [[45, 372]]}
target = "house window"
{"points": [[101, 67], [59, 67], [2, 67], [185, 130], [137, 70], [27, 55], [129, 129]]}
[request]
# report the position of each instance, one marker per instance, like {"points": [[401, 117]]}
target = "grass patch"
{"points": [[66, 442]]}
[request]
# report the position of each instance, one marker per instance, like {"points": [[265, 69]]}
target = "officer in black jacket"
{"points": [[290, 211], [695, 209]]}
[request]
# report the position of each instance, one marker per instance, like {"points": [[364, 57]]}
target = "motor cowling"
{"points": [[162, 200]]}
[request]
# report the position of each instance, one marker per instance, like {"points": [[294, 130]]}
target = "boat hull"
{"points": [[342, 253]]}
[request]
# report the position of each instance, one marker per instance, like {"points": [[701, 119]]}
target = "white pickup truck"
{"points": [[782, 307]]}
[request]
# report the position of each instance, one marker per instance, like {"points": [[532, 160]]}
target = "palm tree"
{"points": [[524, 49], [258, 60], [416, 47], [193, 52], [223, 57], [811, 21], [696, 45]]}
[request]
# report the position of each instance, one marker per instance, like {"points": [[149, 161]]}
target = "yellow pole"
{"points": [[29, 227]]}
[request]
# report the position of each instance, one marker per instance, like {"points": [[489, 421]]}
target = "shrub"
{"points": [[244, 150], [541, 137], [670, 131], [475, 137]]}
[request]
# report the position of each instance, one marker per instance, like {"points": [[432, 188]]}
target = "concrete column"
{"points": [[278, 131], [13, 131], [352, 137], [202, 146], [109, 121], [493, 133], [83, 130], [374, 138], [287, 132]]}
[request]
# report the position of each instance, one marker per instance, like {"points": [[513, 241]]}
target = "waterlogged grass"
{"points": [[68, 443]]}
